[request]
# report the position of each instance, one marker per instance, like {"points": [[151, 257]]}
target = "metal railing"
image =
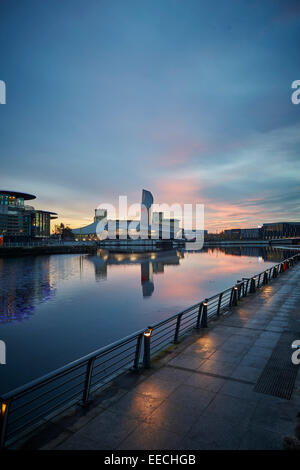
{"points": [[27, 407]]}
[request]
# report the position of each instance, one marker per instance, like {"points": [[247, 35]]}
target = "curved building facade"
{"points": [[21, 221]]}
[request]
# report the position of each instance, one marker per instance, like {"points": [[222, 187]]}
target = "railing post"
{"points": [[4, 410], [177, 328], [252, 285], [147, 352], [269, 274], [87, 383], [219, 303], [204, 314], [265, 279], [199, 316], [137, 352], [258, 282]]}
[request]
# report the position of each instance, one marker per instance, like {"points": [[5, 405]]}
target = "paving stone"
{"points": [[224, 369], [235, 410], [277, 417], [156, 387], [240, 390], [187, 361], [248, 373], [253, 360], [206, 382], [173, 417], [257, 438], [173, 374], [104, 432], [150, 437], [232, 357], [217, 432], [190, 397], [137, 405]]}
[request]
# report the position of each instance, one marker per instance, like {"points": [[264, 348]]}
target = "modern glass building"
{"points": [[19, 220]]}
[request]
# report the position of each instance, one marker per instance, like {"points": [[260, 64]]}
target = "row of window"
{"points": [[6, 200]]}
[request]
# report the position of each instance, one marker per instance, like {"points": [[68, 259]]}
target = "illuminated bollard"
{"points": [[3, 422], [204, 314], [235, 296], [147, 354], [240, 286]]}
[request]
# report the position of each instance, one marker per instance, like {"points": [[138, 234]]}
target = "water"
{"points": [[54, 309]]}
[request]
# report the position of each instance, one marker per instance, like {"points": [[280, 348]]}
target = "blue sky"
{"points": [[190, 99]]}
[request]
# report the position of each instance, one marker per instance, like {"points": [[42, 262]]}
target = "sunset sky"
{"points": [[189, 99]]}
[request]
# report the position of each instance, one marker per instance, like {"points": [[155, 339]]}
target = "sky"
{"points": [[190, 99]]}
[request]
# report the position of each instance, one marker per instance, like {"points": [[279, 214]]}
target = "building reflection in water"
{"points": [[154, 262], [151, 263], [24, 283], [263, 253]]}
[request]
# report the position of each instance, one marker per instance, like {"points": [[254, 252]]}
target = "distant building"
{"points": [[152, 224], [233, 234], [163, 227], [250, 233], [281, 230], [20, 221]]}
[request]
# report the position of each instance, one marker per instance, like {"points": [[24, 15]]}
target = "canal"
{"points": [[54, 309]]}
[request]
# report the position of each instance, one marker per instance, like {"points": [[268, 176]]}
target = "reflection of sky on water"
{"points": [[78, 303]]}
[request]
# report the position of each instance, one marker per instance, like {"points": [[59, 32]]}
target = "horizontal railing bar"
{"points": [[188, 321], [112, 371], [13, 410], [132, 348], [40, 416], [45, 403], [156, 338], [116, 362], [160, 330]]}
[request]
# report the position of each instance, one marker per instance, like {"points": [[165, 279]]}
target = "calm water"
{"points": [[54, 309]]}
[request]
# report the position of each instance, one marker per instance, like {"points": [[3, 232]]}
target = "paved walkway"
{"points": [[201, 394]]}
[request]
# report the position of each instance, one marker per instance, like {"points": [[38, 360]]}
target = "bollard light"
{"points": [[148, 332], [147, 353]]}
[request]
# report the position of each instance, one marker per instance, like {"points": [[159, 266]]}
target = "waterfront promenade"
{"points": [[204, 393]]}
